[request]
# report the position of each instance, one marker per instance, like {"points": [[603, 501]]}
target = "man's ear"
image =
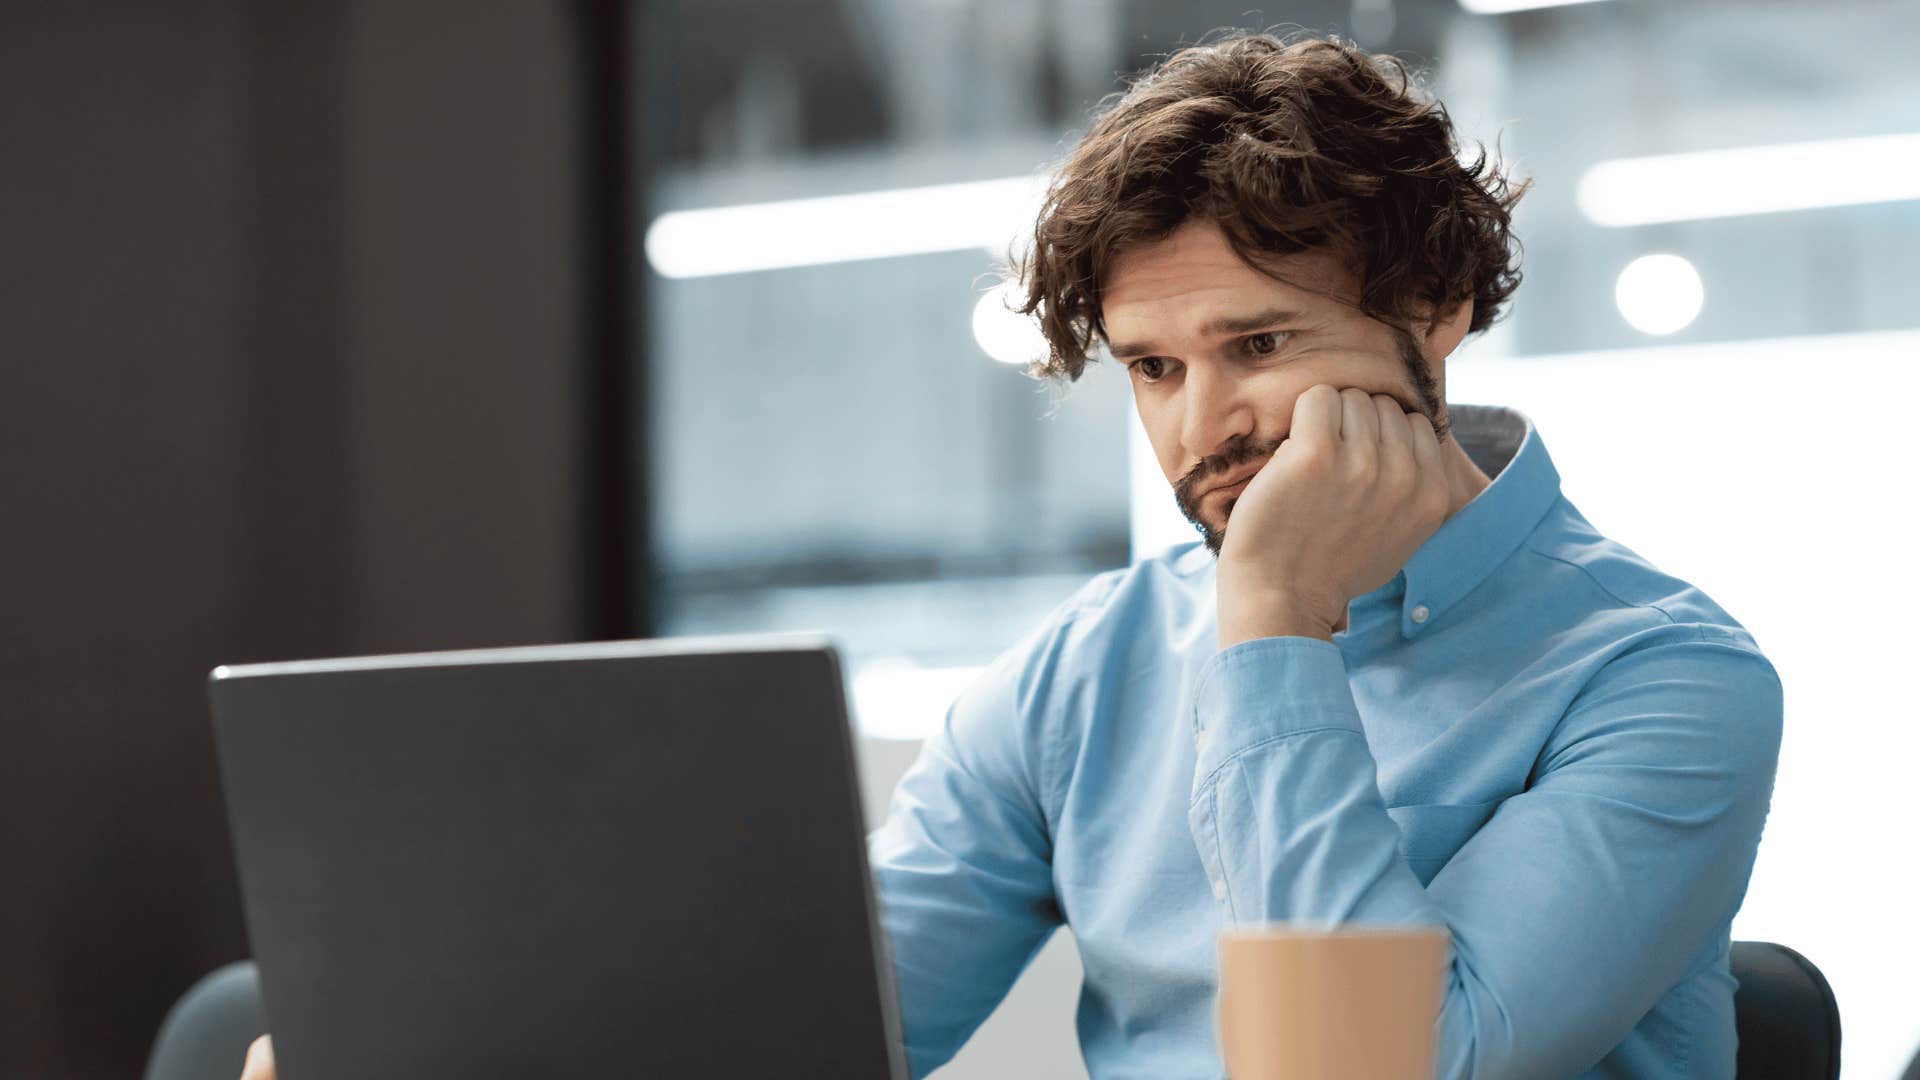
{"points": [[1445, 331]]}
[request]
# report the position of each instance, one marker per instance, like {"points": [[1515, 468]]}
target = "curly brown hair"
{"points": [[1286, 146]]}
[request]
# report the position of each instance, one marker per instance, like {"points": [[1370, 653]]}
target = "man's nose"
{"points": [[1214, 412]]}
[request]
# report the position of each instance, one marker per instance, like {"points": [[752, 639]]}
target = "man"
{"points": [[1400, 681]]}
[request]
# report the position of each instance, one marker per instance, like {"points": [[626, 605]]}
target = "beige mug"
{"points": [[1298, 1003]]}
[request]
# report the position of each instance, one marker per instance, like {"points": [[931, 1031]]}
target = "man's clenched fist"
{"points": [[1338, 509]]}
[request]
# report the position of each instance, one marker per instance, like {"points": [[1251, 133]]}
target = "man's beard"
{"points": [[1203, 476]]}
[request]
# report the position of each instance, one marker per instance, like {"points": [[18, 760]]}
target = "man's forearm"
{"points": [[1573, 909], [1300, 822]]}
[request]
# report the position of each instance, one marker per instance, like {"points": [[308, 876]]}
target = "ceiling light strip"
{"points": [[1508, 7], [1751, 180], [988, 214]]}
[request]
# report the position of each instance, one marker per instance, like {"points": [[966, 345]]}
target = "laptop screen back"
{"points": [[630, 859]]}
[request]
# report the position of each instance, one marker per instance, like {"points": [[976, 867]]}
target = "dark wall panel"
{"points": [[290, 365], [123, 387], [466, 316]]}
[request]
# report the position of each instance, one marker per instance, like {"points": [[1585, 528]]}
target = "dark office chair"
{"points": [[1789, 1023], [206, 1034]]}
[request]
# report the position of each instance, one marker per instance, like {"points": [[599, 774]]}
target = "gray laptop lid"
{"points": [[620, 859]]}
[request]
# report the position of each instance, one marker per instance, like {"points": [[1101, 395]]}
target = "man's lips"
{"points": [[1234, 486], [1231, 489]]}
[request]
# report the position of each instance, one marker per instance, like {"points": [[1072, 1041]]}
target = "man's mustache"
{"points": [[1204, 475]]}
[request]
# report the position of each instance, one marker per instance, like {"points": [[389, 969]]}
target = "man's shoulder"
{"points": [[1604, 581], [1138, 608], [1118, 601], [1601, 647]]}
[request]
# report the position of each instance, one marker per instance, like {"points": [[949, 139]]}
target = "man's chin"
{"points": [[1212, 537], [1209, 535]]}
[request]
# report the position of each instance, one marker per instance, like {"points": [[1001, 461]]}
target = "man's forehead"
{"points": [[1194, 278]]}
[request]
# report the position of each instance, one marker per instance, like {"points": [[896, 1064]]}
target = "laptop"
{"points": [[640, 858]]}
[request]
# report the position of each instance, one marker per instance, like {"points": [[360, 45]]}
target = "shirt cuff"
{"points": [[1268, 688]]}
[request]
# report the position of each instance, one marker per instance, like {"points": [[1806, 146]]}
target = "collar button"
{"points": [[1419, 613]]}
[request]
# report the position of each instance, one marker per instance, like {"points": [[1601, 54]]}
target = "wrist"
{"points": [[1237, 629], [1248, 610]]}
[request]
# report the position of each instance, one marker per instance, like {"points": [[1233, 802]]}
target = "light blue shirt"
{"points": [[1530, 736]]}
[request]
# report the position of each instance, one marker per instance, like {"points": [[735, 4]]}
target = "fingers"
{"points": [[1396, 443], [1372, 430], [1316, 417], [1426, 445], [1359, 420], [1395, 433], [259, 1064], [1359, 437]]}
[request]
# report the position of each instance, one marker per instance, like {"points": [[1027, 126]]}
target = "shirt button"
{"points": [[1219, 890], [1200, 739], [1419, 613]]}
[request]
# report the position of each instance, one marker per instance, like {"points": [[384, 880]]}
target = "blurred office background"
{"points": [[377, 326]]}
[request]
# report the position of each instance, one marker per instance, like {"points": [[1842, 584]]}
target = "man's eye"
{"points": [[1150, 368], [1263, 344]]}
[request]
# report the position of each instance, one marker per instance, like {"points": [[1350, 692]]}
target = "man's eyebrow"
{"points": [[1224, 326]]}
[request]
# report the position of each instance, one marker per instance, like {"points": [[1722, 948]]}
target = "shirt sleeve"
{"points": [[1575, 908], [963, 863]]}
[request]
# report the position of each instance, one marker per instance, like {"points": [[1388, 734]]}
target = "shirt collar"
{"points": [[1472, 543]]}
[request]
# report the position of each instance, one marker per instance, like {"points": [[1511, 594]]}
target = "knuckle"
{"points": [[1361, 465], [1315, 457]]}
